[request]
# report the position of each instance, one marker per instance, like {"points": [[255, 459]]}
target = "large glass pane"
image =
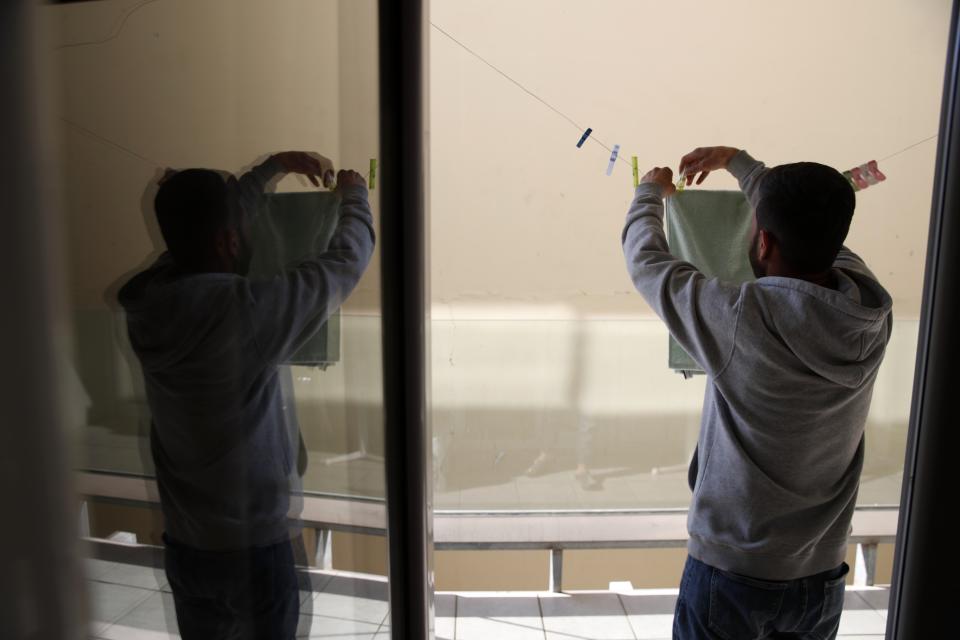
{"points": [[150, 86], [551, 388]]}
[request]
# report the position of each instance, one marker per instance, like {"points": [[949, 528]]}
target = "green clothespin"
{"points": [[373, 174], [636, 172]]}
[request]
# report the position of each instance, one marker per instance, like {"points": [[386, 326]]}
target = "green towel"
{"points": [[711, 230], [289, 228]]}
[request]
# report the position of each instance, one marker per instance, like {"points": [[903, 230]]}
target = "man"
{"points": [[210, 341], [791, 359]]}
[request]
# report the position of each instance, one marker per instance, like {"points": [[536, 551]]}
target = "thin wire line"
{"points": [[526, 90], [93, 134], [576, 125], [113, 35], [905, 149]]}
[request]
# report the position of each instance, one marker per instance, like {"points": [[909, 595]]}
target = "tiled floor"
{"points": [[134, 603]]}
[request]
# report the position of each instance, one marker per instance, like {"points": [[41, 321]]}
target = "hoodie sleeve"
{"points": [[253, 183], [749, 173], [288, 309], [700, 313]]}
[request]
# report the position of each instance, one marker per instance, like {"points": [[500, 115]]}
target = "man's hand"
{"points": [[313, 165], [662, 176], [703, 160], [348, 178]]}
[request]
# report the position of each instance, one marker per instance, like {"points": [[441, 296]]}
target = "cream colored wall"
{"points": [[520, 216], [213, 84]]}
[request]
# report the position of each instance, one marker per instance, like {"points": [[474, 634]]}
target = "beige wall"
{"points": [[520, 216], [212, 84]]}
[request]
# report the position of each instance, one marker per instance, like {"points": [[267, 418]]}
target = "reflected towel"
{"points": [[711, 230], [290, 227]]}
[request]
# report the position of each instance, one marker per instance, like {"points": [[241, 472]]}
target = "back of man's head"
{"points": [[192, 207], [807, 207]]}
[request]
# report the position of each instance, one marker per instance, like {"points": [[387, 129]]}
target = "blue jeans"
{"points": [[719, 605], [243, 595]]}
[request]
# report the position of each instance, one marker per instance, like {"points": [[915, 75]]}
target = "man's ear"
{"points": [[231, 241], [765, 246]]}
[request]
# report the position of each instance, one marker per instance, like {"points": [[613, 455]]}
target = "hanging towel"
{"points": [[290, 227], [711, 230]]}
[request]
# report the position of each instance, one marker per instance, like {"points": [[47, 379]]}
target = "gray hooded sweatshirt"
{"points": [[790, 367], [210, 345]]}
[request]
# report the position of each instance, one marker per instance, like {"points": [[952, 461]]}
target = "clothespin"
{"points": [[636, 172], [373, 174], [583, 138], [874, 171], [864, 176], [613, 158], [681, 183]]}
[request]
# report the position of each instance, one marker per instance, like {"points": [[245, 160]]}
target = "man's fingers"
{"points": [[690, 167], [689, 162], [703, 176], [313, 179]]}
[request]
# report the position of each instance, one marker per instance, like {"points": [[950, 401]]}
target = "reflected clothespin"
{"points": [[583, 138], [613, 158], [864, 176], [373, 174]]}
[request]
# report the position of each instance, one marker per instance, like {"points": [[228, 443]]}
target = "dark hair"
{"points": [[192, 206], [808, 208]]}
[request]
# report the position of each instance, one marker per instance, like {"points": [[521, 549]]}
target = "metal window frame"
{"points": [[402, 27], [919, 601]]}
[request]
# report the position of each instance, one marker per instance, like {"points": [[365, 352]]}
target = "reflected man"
{"points": [[210, 341], [791, 360]]}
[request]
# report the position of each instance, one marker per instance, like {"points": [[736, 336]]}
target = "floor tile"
{"points": [[109, 602], [592, 615], [95, 569], [651, 626], [444, 627], [349, 607], [642, 604], [154, 618], [862, 622], [877, 598], [497, 607], [327, 627], [136, 576], [469, 628]]}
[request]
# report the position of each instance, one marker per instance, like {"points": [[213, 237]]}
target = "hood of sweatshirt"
{"points": [[162, 306], [839, 334]]}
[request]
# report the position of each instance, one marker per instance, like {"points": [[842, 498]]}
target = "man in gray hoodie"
{"points": [[210, 341], [791, 359]]}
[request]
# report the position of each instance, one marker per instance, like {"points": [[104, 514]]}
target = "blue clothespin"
{"points": [[583, 138]]}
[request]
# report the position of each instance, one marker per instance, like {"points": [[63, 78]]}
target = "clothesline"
{"points": [[589, 136]]}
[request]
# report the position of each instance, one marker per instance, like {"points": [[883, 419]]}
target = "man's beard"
{"points": [[759, 271]]}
